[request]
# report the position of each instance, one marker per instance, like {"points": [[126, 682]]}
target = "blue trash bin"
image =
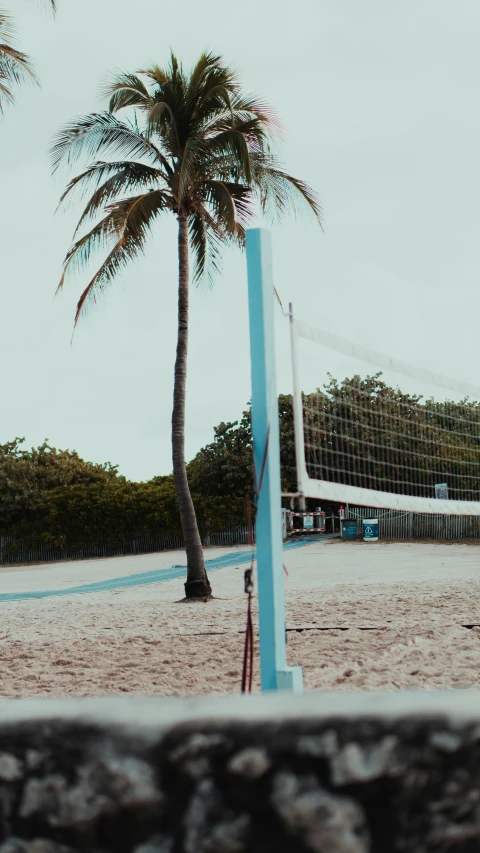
{"points": [[370, 529]]}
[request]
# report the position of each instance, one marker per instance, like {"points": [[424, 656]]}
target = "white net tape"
{"points": [[363, 442]]}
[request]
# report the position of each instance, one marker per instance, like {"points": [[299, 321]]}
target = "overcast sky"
{"points": [[380, 102]]}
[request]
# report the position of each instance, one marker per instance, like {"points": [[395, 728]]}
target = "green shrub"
{"points": [[113, 514]]}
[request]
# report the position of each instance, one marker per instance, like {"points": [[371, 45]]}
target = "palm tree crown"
{"points": [[195, 146]]}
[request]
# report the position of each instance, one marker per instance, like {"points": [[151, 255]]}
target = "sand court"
{"points": [[358, 616]]}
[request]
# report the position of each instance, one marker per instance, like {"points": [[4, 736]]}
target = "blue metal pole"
{"points": [[275, 675]]}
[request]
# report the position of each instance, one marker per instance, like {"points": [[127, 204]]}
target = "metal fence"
{"points": [[412, 525], [13, 551]]}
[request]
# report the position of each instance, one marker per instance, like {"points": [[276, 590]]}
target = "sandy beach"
{"points": [[379, 616]]}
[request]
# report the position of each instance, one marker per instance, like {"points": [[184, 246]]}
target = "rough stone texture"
{"points": [[312, 774]]}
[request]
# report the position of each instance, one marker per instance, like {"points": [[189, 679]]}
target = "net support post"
{"points": [[275, 674]]}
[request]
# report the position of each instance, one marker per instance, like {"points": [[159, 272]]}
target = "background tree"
{"points": [[196, 147], [15, 66], [26, 475], [225, 466]]}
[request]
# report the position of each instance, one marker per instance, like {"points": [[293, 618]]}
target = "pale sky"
{"points": [[381, 108]]}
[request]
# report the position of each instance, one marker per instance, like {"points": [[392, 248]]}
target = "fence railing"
{"points": [[393, 524], [12, 551]]}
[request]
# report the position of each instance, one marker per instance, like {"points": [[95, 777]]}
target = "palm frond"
{"points": [[52, 4], [6, 95], [188, 166], [7, 27], [161, 121], [243, 199], [219, 199], [198, 244], [79, 254], [127, 173], [155, 75], [210, 87], [133, 177], [101, 132], [231, 145], [15, 66], [252, 128], [129, 222], [217, 99], [240, 236], [248, 115], [206, 241], [250, 105], [126, 90], [204, 64], [133, 219], [280, 192]]}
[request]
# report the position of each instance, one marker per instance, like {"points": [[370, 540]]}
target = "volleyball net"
{"points": [[367, 442]]}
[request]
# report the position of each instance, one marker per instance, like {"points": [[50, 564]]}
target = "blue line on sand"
{"points": [[232, 559]]}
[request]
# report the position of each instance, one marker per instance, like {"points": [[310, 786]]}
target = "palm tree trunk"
{"points": [[197, 585]]}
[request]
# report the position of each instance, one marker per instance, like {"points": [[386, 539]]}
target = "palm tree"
{"points": [[15, 66], [195, 147]]}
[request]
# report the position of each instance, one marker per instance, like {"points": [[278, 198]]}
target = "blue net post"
{"points": [[275, 674]]}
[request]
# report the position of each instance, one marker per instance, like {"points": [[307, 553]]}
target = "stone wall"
{"points": [[343, 773]]}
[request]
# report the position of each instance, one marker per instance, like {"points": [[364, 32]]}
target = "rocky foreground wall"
{"points": [[344, 773]]}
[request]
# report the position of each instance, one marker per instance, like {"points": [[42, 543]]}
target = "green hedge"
{"points": [[113, 514]]}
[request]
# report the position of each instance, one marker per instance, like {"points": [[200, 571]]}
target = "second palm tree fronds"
{"points": [[194, 146], [15, 66]]}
